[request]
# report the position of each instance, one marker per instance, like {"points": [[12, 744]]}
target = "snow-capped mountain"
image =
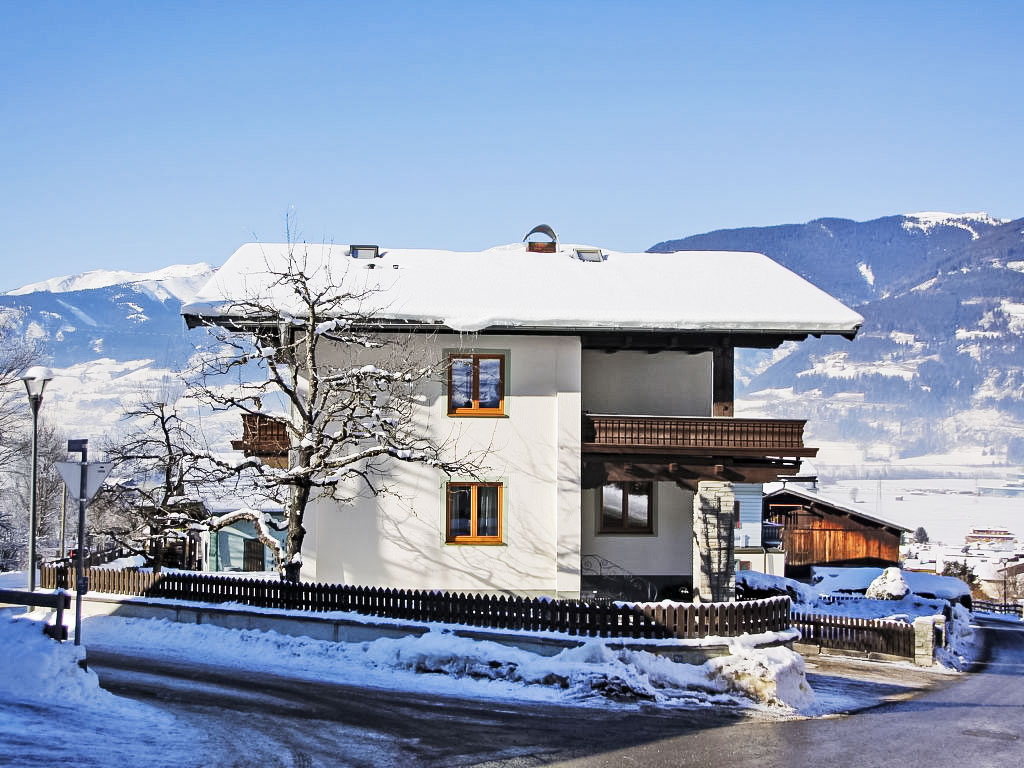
{"points": [[936, 375], [108, 336], [114, 314], [855, 260]]}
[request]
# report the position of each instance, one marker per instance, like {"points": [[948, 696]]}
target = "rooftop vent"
{"points": [[364, 251], [541, 247], [590, 254]]}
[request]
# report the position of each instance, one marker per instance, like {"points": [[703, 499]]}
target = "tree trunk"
{"points": [[296, 533]]}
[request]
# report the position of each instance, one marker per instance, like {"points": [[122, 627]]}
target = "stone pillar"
{"points": [[928, 632], [714, 531]]}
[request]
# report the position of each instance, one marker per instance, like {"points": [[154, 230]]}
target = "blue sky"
{"points": [[142, 134]]}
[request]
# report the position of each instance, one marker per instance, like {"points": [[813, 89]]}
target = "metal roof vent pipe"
{"points": [[540, 246]]}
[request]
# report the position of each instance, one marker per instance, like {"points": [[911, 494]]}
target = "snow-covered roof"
{"points": [[509, 287], [772, 490]]}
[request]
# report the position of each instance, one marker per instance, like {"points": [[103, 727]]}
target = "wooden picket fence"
{"points": [[895, 638], [575, 617]]}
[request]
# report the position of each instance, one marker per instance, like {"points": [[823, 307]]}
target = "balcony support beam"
{"points": [[722, 381]]}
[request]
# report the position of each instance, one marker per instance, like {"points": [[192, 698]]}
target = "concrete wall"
{"points": [[398, 539], [636, 383]]}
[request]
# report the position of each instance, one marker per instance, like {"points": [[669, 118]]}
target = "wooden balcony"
{"points": [[265, 437], [687, 448], [694, 436]]}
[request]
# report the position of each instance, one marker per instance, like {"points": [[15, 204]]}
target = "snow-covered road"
{"points": [[293, 723]]}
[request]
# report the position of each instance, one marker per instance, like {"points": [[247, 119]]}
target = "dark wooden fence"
{"points": [[575, 617], [990, 607], [895, 638]]}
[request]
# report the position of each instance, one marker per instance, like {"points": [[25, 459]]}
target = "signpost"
{"points": [[82, 480]]}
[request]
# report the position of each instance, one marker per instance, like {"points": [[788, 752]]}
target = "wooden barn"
{"points": [[818, 531]]}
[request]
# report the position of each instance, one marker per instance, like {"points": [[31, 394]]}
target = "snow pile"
{"points": [[907, 608], [36, 669], [773, 676], [889, 585], [828, 580], [963, 644], [600, 672], [123, 563], [756, 584], [592, 670]]}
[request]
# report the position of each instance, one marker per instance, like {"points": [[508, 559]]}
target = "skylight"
{"points": [[364, 251], [590, 254]]}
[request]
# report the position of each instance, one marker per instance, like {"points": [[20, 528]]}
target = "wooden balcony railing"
{"points": [[263, 436], [694, 435]]}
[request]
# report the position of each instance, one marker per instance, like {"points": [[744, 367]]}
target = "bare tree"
{"points": [[351, 390], [159, 478], [16, 354], [14, 497]]}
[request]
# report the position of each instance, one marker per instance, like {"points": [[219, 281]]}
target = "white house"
{"points": [[602, 384]]}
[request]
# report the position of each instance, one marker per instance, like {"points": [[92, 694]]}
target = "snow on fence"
{"points": [[895, 638], [575, 617]]}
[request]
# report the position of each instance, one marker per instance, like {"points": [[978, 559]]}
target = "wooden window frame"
{"points": [[622, 529], [474, 409], [473, 539]]}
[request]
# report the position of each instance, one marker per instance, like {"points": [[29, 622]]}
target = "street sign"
{"points": [[95, 473]]}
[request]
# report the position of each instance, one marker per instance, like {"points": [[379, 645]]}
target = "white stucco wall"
{"points": [[667, 552], [398, 540], [636, 383]]}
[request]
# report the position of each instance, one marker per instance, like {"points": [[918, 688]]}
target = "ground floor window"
{"points": [[474, 513], [627, 508]]}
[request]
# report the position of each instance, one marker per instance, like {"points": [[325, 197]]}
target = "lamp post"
{"points": [[35, 379]]}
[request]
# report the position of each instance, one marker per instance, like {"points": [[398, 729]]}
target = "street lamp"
{"points": [[35, 379]]}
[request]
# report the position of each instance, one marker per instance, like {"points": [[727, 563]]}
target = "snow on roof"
{"points": [[774, 489], [510, 287]]}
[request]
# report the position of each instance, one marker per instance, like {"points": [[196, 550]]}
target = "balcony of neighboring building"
{"points": [[265, 437]]}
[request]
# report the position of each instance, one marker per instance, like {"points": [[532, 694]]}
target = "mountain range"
{"points": [[935, 378], [933, 381]]}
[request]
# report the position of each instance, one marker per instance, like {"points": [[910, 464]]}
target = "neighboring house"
{"points": [[817, 531], [237, 547], [602, 384], [758, 542]]}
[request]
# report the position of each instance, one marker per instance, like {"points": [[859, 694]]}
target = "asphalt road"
{"points": [[284, 723]]}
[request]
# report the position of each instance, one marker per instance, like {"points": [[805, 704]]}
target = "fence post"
{"points": [[924, 640]]}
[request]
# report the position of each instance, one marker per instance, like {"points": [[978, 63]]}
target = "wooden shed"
{"points": [[818, 531]]}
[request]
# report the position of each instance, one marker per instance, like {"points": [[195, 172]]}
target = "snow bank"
{"points": [[36, 669], [598, 673], [963, 644], [757, 584]]}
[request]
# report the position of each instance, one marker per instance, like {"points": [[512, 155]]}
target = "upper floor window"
{"points": [[627, 508], [476, 384], [474, 513]]}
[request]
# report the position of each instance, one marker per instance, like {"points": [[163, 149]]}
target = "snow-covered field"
{"points": [[947, 508]]}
